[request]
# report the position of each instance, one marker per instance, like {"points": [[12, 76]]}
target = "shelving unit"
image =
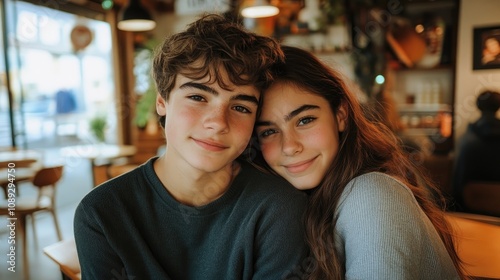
{"points": [[426, 119], [424, 94], [338, 56]]}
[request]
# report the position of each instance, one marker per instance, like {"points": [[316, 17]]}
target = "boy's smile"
{"points": [[210, 145]]}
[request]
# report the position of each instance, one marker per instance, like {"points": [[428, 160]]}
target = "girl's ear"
{"points": [[341, 116], [161, 107]]}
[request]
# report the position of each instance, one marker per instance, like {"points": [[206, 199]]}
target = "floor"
{"points": [[76, 182]]}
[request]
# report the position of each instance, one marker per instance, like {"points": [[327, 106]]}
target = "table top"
{"points": [[64, 253], [99, 151], [21, 158], [478, 245]]}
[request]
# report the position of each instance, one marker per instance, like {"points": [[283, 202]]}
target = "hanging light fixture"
{"points": [[135, 18], [258, 9]]}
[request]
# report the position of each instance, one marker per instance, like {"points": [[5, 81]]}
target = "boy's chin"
{"points": [[210, 165]]}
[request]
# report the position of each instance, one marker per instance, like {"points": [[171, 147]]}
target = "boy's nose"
{"points": [[217, 120]]}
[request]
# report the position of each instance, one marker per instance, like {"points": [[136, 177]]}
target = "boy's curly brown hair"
{"points": [[211, 42]]}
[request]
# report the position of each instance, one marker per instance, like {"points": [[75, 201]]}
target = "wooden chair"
{"points": [[477, 239], [65, 255], [45, 179]]}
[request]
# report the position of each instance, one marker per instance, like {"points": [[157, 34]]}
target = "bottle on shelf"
{"points": [[435, 92]]}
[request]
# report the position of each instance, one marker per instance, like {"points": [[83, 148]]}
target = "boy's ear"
{"points": [[161, 107], [341, 116]]}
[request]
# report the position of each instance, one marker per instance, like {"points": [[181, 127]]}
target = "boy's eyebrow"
{"points": [[292, 114], [241, 96], [200, 87]]}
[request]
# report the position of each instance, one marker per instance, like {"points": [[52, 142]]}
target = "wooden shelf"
{"points": [[422, 131], [423, 108], [440, 67]]}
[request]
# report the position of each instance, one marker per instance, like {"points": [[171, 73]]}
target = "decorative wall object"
{"points": [[486, 48], [81, 37]]}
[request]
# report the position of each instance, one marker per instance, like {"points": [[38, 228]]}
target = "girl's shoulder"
{"points": [[375, 189], [377, 200], [376, 182]]}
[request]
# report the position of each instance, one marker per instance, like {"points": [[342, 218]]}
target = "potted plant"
{"points": [[145, 109], [97, 126], [145, 115]]}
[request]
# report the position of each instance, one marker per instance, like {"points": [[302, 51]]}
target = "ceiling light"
{"points": [[136, 18], [258, 9]]}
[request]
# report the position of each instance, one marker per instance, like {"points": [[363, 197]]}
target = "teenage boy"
{"points": [[197, 212]]}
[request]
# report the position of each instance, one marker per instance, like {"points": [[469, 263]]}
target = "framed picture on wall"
{"points": [[486, 48]]}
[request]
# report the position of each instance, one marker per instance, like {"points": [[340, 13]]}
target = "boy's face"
{"points": [[207, 127]]}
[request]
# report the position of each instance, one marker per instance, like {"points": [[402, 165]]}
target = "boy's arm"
{"points": [[97, 258], [281, 249]]}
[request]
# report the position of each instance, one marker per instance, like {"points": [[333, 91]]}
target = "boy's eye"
{"points": [[306, 120], [242, 109], [196, 97]]}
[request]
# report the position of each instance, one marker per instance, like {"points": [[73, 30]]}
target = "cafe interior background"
{"points": [[71, 76]]}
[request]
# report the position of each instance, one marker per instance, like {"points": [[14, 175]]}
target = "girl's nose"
{"points": [[291, 144]]}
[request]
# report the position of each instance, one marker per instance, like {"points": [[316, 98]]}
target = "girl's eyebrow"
{"points": [[263, 123], [299, 110], [292, 114], [240, 96], [246, 97]]}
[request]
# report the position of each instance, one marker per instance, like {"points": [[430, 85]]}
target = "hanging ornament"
{"points": [[81, 37]]}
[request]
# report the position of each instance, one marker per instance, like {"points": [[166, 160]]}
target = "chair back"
{"points": [[483, 198], [48, 176]]}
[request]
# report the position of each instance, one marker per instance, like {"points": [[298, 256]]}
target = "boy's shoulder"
{"points": [[126, 184]]}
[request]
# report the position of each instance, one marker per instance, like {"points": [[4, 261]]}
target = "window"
{"points": [[56, 89]]}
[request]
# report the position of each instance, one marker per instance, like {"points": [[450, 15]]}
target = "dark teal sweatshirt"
{"points": [[131, 228]]}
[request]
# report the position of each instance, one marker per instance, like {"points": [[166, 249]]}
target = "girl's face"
{"points": [[299, 134]]}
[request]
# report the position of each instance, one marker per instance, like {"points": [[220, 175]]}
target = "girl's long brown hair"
{"points": [[365, 146]]}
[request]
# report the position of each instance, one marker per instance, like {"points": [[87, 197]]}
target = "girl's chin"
{"points": [[303, 185]]}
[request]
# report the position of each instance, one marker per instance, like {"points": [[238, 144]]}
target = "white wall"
{"points": [[470, 83]]}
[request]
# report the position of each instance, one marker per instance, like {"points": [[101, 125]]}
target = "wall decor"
{"points": [[486, 48]]}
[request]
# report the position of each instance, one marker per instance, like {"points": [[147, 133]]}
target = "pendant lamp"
{"points": [[135, 18], [258, 9]]}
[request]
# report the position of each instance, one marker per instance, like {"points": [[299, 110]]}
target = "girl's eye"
{"points": [[196, 98], [306, 120], [266, 133], [242, 109]]}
